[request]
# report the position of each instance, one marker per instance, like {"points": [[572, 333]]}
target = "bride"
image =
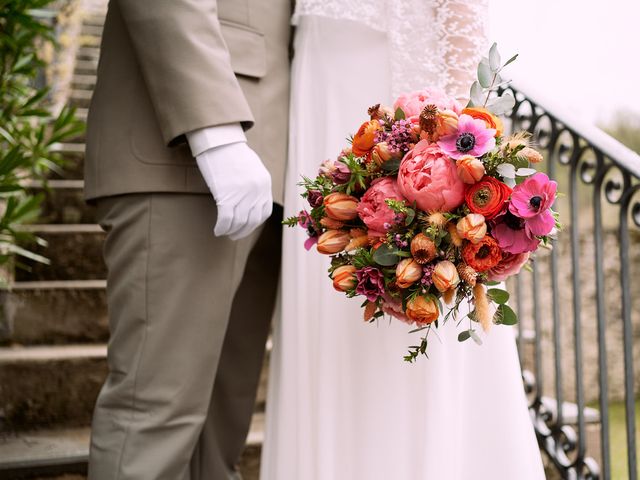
{"points": [[342, 403]]}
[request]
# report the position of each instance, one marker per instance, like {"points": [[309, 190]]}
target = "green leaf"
{"points": [[399, 115], [511, 60], [494, 58], [386, 256], [484, 74], [411, 214], [498, 296], [464, 336], [391, 165], [505, 315]]}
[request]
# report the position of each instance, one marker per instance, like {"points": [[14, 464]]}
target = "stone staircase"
{"points": [[54, 320]]}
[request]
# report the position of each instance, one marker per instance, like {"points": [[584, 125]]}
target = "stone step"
{"points": [[90, 41], [94, 18], [74, 252], [88, 53], [50, 386], [82, 113], [49, 453], [83, 81], [91, 29], [86, 67], [80, 98], [73, 157], [63, 202], [37, 313]]}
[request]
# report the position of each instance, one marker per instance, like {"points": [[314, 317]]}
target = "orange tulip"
{"points": [[472, 227], [340, 206], [422, 310], [344, 278], [445, 276], [333, 241], [470, 169], [408, 271]]}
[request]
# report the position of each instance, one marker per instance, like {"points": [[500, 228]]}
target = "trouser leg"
{"points": [[234, 393], [170, 289]]}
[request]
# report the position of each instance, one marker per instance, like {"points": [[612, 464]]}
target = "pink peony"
{"points": [[413, 103], [512, 236], [429, 178], [472, 138], [372, 208], [531, 201], [509, 265]]}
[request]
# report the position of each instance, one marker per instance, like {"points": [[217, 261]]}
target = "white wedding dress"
{"points": [[342, 403]]}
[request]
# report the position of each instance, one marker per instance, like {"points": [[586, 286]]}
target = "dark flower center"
{"points": [[482, 197], [465, 142], [483, 252], [513, 222], [535, 202]]}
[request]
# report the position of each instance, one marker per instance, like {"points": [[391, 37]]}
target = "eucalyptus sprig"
{"points": [[489, 81]]}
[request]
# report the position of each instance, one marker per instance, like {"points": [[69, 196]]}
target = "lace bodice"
{"points": [[432, 42]]}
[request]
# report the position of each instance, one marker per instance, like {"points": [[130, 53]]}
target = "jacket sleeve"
{"points": [[185, 64]]}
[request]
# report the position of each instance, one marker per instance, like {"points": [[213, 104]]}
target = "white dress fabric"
{"points": [[342, 404]]}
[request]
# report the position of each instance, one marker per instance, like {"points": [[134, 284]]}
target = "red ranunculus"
{"points": [[488, 197], [483, 255]]}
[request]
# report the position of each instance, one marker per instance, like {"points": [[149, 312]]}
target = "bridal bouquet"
{"points": [[432, 204]]}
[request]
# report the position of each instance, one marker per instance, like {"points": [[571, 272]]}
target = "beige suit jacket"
{"points": [[168, 67]]}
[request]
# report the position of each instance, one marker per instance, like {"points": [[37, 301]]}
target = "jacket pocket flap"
{"points": [[247, 49]]}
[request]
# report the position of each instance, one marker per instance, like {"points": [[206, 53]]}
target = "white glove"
{"points": [[240, 185]]}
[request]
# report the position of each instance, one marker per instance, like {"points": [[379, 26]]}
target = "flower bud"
{"points": [[341, 206], [423, 249], [446, 123], [315, 198], [422, 310], [408, 271], [381, 153], [456, 239], [470, 169], [472, 227], [531, 154], [344, 278], [331, 223], [445, 276], [333, 241]]}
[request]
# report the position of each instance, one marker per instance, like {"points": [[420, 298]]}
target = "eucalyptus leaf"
{"points": [[511, 60], [502, 105], [411, 215], [477, 94], [526, 172], [484, 74], [464, 336], [399, 114], [476, 338], [498, 295], [506, 170], [494, 58], [386, 256], [505, 315]]}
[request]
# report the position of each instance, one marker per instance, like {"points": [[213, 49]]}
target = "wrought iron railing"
{"points": [[576, 335]]}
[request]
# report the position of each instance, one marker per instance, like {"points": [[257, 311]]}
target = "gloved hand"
{"points": [[240, 185]]}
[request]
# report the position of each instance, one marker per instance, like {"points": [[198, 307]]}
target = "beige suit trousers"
{"points": [[184, 358]]}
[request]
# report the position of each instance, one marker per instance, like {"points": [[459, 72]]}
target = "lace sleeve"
{"points": [[461, 27]]}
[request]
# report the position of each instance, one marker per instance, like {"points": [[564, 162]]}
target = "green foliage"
{"points": [[29, 132], [489, 81]]}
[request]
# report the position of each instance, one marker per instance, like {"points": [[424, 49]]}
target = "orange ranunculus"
{"points": [[333, 241], [344, 278], [364, 139], [488, 197], [422, 310], [470, 169], [341, 206], [472, 227], [408, 272], [445, 276], [489, 118], [483, 255]]}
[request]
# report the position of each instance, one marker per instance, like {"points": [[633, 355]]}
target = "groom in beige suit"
{"points": [[179, 83]]}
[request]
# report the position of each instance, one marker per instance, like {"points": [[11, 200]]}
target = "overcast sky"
{"points": [[585, 54]]}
